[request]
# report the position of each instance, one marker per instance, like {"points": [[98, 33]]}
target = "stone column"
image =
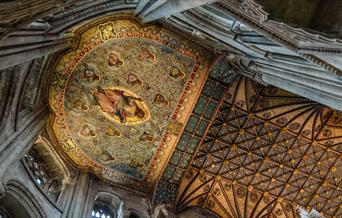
{"points": [[81, 201], [21, 141]]}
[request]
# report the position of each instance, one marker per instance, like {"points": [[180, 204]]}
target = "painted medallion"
{"points": [[119, 98]]}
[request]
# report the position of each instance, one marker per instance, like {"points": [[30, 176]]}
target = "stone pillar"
{"points": [[82, 199], [153, 10], [21, 141], [17, 131]]}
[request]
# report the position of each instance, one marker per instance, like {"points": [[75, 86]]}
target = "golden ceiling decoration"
{"points": [[121, 97], [266, 152]]}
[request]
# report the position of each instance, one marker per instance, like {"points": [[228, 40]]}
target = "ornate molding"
{"points": [[254, 9], [252, 13], [298, 40], [325, 65]]}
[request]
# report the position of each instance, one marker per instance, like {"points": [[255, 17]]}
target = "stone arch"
{"points": [[108, 202], [134, 213], [56, 171], [131, 201], [18, 200], [136, 210]]}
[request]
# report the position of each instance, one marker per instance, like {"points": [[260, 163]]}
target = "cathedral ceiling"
{"points": [[146, 108], [121, 96], [265, 152]]}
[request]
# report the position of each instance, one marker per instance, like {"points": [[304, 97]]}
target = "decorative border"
{"points": [[179, 116]]}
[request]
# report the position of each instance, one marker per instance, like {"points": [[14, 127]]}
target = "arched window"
{"points": [[40, 176], [101, 211], [107, 205], [44, 171]]}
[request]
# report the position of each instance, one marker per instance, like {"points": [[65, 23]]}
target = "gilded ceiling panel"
{"points": [[121, 97], [266, 152]]}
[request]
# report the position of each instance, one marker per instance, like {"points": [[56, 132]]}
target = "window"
{"points": [[44, 171], [37, 170], [101, 212], [107, 205]]}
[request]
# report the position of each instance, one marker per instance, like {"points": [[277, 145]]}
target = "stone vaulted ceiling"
{"points": [[265, 152]]}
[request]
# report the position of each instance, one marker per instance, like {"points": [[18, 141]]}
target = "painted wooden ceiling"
{"points": [[138, 106], [266, 152], [121, 96]]}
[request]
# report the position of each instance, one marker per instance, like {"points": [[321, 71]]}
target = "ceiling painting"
{"points": [[120, 99], [266, 152], [220, 76]]}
